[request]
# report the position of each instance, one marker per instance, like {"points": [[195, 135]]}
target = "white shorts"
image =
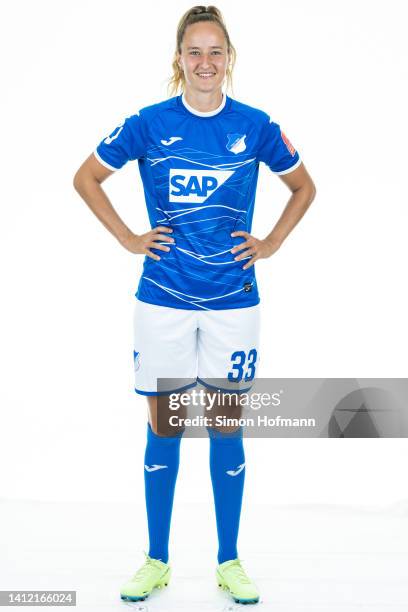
{"points": [[186, 347]]}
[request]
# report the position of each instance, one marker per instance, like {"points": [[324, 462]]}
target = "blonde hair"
{"points": [[195, 15]]}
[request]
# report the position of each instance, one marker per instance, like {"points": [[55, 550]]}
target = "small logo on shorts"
{"points": [[136, 359], [247, 287]]}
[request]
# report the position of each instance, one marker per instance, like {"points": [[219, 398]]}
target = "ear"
{"points": [[179, 60]]}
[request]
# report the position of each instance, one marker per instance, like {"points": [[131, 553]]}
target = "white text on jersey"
{"points": [[195, 186]]}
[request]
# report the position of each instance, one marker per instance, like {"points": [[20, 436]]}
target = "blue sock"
{"points": [[162, 458], [227, 467]]}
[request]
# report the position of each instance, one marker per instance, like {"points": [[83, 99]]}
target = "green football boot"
{"points": [[153, 574], [231, 577]]}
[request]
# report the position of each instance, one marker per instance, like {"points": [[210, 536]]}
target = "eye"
{"points": [[194, 52], [217, 52]]}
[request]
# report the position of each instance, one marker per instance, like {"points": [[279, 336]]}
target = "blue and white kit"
{"points": [[199, 172]]}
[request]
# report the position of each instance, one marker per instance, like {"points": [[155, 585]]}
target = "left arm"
{"points": [[303, 193]]}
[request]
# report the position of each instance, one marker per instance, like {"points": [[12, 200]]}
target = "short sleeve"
{"points": [[126, 142], [276, 150]]}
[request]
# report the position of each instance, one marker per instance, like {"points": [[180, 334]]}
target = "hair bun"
{"points": [[198, 10], [209, 10]]}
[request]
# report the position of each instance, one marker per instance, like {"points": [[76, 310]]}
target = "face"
{"points": [[204, 56]]}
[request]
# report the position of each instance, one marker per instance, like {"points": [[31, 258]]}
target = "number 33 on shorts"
{"points": [[243, 366]]}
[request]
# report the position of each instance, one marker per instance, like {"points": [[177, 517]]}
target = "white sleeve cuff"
{"points": [[299, 161], [103, 162]]}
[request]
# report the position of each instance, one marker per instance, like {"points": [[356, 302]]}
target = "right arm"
{"points": [[87, 182]]}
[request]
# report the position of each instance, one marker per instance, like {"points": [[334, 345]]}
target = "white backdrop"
{"points": [[334, 297]]}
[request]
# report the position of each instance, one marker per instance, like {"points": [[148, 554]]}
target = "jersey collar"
{"points": [[201, 113]]}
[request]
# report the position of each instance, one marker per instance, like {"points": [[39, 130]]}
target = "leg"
{"points": [[228, 344], [164, 350], [227, 466], [159, 413], [162, 458], [227, 469]]}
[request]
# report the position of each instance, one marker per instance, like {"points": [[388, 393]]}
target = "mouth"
{"points": [[205, 75]]}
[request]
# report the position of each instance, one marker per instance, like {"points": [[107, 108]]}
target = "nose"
{"points": [[205, 60]]}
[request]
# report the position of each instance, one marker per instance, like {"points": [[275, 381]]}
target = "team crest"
{"points": [[136, 359], [236, 143], [288, 144]]}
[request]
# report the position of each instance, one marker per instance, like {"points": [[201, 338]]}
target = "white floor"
{"points": [[312, 558]]}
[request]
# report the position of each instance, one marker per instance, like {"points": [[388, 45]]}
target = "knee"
{"points": [[166, 433]]}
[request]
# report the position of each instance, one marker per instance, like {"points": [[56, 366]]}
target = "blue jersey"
{"points": [[199, 172]]}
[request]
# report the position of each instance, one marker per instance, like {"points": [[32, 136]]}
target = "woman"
{"points": [[197, 303]]}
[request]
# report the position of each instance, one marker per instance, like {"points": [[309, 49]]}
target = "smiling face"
{"points": [[204, 57]]}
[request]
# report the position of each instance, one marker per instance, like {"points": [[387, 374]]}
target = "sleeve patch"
{"points": [[288, 144]]}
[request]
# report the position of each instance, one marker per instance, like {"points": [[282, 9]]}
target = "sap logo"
{"points": [[195, 186]]}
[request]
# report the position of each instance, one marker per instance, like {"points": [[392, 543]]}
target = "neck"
{"points": [[203, 101]]}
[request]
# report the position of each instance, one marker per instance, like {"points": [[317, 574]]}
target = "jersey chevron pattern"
{"points": [[199, 173]]}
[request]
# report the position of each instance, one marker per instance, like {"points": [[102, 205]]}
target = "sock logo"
{"points": [[154, 467], [237, 471], [195, 186]]}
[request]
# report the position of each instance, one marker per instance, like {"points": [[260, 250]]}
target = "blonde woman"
{"points": [[196, 317]]}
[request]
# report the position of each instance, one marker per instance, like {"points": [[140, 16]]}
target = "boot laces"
{"points": [[145, 569], [239, 571]]}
